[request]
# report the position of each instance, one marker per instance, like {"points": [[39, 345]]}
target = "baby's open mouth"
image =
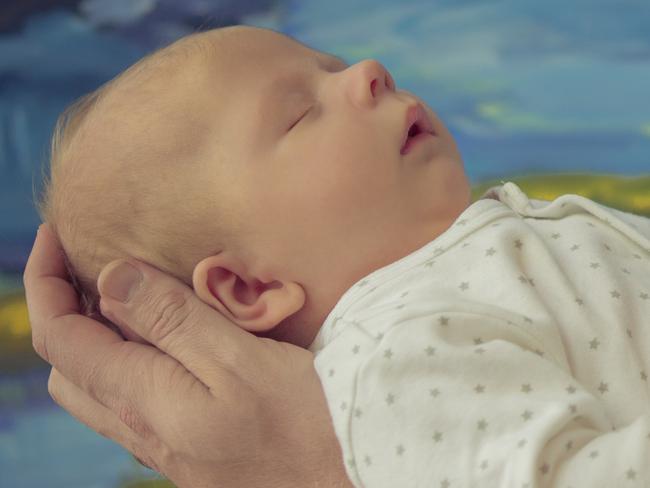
{"points": [[414, 130], [417, 127]]}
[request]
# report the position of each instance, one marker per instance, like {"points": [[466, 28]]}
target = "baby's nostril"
{"points": [[373, 83], [390, 82]]}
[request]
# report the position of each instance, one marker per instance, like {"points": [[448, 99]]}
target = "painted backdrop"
{"points": [[529, 89]]}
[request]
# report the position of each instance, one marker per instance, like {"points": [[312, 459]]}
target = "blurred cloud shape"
{"points": [[116, 12], [62, 46]]}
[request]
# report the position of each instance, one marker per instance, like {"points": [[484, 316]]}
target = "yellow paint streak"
{"points": [[14, 320]]}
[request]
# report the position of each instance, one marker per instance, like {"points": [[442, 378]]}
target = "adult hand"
{"points": [[206, 403]]}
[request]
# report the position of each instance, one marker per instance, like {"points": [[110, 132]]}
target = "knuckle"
{"points": [[170, 311], [235, 359], [39, 344], [164, 452], [90, 381], [26, 274], [174, 374], [146, 464], [151, 464], [54, 388], [133, 420], [152, 456], [96, 382], [104, 431], [142, 455]]}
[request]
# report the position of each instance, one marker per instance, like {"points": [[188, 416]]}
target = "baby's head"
{"points": [[265, 174]]}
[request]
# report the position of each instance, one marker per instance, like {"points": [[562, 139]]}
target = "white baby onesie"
{"points": [[513, 350]]}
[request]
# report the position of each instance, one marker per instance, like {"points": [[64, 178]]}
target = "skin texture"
{"points": [[209, 399], [191, 403], [322, 204]]}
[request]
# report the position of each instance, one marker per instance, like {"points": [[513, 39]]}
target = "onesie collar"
{"points": [[488, 207]]}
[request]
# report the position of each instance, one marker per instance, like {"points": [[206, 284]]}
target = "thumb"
{"points": [[166, 312]]}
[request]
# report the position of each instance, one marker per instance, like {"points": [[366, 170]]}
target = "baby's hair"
{"points": [[51, 200], [139, 203]]}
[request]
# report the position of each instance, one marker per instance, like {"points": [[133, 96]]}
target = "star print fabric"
{"points": [[513, 350]]}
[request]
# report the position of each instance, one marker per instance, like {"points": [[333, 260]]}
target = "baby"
{"points": [[240, 161], [494, 343]]}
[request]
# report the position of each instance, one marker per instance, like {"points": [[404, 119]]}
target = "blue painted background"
{"points": [[525, 86]]}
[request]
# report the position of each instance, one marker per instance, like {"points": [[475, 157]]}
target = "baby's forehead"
{"points": [[228, 58], [144, 115], [195, 83], [246, 46]]}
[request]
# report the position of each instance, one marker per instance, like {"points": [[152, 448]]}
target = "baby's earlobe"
{"points": [[224, 283]]}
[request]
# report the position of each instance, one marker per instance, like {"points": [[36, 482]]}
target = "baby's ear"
{"points": [[223, 282]]}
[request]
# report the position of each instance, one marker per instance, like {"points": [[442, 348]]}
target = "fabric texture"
{"points": [[513, 350]]}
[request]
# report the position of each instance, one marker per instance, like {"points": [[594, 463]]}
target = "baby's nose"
{"points": [[372, 81], [381, 79]]}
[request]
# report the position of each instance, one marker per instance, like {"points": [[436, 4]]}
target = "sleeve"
{"points": [[465, 400], [635, 227]]}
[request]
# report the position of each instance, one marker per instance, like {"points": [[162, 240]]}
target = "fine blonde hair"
{"points": [[135, 203]]}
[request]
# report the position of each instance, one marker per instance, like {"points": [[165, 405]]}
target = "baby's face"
{"points": [[308, 149]]}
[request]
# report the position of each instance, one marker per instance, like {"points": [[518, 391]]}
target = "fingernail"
{"points": [[121, 282]]}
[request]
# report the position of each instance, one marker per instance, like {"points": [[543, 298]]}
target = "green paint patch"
{"points": [[629, 194], [148, 484]]}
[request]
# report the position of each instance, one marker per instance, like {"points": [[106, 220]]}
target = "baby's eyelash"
{"points": [[299, 119]]}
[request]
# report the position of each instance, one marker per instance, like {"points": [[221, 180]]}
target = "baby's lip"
{"points": [[416, 114]]}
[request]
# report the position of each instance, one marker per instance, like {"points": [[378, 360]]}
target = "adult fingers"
{"points": [[47, 291], [89, 354], [167, 313], [97, 417], [71, 342], [91, 413]]}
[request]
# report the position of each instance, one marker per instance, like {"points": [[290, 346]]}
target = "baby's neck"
{"points": [[302, 327]]}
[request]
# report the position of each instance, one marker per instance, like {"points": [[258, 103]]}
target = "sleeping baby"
{"points": [[504, 342]]}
